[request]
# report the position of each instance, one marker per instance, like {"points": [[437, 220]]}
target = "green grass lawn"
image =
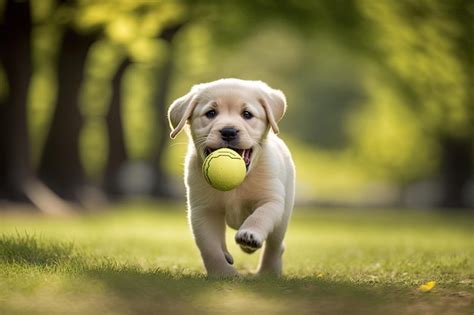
{"points": [[141, 259]]}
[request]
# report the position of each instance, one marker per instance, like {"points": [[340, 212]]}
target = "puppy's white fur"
{"points": [[260, 208]]}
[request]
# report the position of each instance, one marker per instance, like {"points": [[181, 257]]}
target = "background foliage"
{"points": [[380, 92]]}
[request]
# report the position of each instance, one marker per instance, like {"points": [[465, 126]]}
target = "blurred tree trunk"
{"points": [[3, 150], [161, 187], [117, 153], [161, 180], [18, 182], [457, 152], [60, 165], [456, 169], [15, 48]]}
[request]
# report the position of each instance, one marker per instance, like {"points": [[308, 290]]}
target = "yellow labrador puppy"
{"points": [[241, 115]]}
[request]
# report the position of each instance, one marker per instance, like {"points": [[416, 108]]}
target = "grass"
{"points": [[140, 259]]}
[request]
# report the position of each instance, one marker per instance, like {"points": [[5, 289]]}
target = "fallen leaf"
{"points": [[428, 286]]}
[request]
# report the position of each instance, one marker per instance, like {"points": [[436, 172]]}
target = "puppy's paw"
{"points": [[248, 240]]}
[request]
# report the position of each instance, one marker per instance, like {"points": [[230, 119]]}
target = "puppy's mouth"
{"points": [[246, 154]]}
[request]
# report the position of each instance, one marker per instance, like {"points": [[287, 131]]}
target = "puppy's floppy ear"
{"points": [[274, 103], [180, 111]]}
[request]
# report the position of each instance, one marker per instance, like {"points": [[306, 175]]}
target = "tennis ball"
{"points": [[224, 169]]}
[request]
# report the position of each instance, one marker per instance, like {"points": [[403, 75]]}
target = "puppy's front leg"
{"points": [[259, 225], [209, 233]]}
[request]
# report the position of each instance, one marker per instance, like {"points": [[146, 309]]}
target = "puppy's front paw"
{"points": [[248, 240]]}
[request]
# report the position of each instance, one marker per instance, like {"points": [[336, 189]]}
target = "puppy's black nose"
{"points": [[229, 133]]}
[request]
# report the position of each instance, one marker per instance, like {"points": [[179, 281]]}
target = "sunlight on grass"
{"points": [[141, 258], [27, 249]]}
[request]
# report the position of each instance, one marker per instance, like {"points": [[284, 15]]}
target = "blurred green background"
{"points": [[379, 92]]}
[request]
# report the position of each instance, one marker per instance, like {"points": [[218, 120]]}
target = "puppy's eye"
{"points": [[247, 115], [211, 114]]}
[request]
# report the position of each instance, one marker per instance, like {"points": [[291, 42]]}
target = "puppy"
{"points": [[241, 115]]}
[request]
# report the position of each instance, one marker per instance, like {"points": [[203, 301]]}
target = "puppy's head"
{"points": [[228, 113]]}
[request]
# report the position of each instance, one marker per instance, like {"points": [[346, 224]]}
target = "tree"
{"points": [[426, 50], [161, 184], [117, 154], [15, 42], [17, 178], [60, 165]]}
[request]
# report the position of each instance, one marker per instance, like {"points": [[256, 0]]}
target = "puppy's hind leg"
{"points": [[209, 234], [271, 259]]}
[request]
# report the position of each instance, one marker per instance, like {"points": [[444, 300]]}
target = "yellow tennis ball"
{"points": [[224, 169]]}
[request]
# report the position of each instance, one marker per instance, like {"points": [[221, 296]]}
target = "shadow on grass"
{"points": [[150, 291], [134, 289]]}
